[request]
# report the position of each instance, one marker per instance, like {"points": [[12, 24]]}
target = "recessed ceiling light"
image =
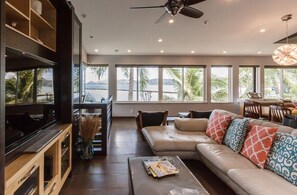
{"points": [[259, 52], [224, 51], [162, 51], [262, 30], [96, 50], [129, 50], [193, 51], [160, 40], [171, 21]]}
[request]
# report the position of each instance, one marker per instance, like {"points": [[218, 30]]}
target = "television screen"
{"points": [[29, 98]]}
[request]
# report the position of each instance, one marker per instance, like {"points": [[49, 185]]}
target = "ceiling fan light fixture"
{"points": [[286, 54]]}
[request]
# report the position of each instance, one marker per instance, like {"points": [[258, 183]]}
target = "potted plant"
{"points": [[89, 126]]}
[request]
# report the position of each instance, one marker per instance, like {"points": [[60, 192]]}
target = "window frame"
{"points": [[229, 83], [256, 78], [281, 86], [160, 81]]}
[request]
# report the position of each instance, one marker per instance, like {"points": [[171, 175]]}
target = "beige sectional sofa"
{"points": [[238, 172]]}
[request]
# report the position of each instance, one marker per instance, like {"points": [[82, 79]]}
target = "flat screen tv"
{"points": [[29, 101]]}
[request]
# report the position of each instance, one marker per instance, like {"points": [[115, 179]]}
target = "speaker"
{"points": [[48, 168]]}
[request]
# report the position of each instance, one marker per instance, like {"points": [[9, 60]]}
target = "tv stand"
{"points": [[26, 173]]}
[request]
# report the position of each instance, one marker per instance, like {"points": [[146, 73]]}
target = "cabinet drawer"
{"points": [[52, 188], [24, 177]]}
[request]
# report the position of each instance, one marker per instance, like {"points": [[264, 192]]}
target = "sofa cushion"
{"points": [[168, 138], [282, 158], [261, 181], [224, 112], [280, 128], [258, 143], [200, 114], [217, 127], [236, 133], [189, 124], [223, 157]]}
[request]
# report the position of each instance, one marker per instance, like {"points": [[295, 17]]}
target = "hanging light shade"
{"points": [[286, 54]]}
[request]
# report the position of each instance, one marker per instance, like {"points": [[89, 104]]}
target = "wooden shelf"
{"points": [[16, 19], [24, 20], [40, 22], [21, 6]]}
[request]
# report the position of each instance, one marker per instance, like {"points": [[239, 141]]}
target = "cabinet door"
{"points": [[65, 154], [27, 180]]}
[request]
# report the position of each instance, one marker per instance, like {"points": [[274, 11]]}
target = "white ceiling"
{"points": [[232, 26]]}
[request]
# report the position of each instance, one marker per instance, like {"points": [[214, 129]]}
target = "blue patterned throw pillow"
{"points": [[282, 158], [235, 136]]}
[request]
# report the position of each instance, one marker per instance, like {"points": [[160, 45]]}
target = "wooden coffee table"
{"points": [[141, 183]]}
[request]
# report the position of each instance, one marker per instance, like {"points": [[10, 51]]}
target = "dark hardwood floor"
{"points": [[109, 174]]}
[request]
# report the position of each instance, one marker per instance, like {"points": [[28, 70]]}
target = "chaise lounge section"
{"points": [[188, 140]]}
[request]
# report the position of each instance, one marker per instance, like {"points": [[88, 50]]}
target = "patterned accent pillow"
{"points": [[217, 127], [282, 158], [236, 133], [257, 144]]}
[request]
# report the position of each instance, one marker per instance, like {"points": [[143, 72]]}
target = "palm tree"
{"points": [[25, 83], [273, 82], [10, 90], [143, 83], [289, 83], [100, 71], [245, 81], [129, 74], [192, 89], [219, 89]]}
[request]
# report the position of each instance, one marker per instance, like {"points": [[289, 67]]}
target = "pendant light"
{"points": [[286, 54]]}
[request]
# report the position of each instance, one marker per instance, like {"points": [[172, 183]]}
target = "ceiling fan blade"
{"points": [[192, 2], [162, 17], [191, 12], [158, 6]]}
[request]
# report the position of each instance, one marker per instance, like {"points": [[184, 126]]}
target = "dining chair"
{"points": [[252, 109], [145, 119], [277, 113]]}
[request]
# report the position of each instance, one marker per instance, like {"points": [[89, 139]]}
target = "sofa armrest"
{"points": [[191, 124]]}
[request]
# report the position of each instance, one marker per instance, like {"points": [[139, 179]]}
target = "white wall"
{"points": [[124, 109]]}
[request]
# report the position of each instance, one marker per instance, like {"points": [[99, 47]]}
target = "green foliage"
{"points": [[246, 81], [219, 88], [191, 89]]}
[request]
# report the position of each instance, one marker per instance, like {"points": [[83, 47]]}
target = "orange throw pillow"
{"points": [[217, 127], [258, 143]]}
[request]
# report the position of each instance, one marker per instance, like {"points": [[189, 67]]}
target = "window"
{"points": [[280, 83], [45, 85], [177, 83], [183, 83], [248, 80], [148, 84], [137, 83], [95, 83], [21, 86], [221, 77]]}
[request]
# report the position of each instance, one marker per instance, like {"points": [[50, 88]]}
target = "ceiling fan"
{"points": [[174, 7]]}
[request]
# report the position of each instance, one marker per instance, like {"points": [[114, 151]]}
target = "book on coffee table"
{"points": [[159, 167]]}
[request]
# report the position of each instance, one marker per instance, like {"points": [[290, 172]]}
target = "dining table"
{"points": [[264, 102]]}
